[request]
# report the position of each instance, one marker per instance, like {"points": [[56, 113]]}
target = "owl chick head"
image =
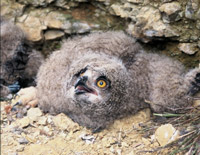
{"points": [[99, 83], [10, 35]]}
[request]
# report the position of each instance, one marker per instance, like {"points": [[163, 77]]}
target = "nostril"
{"points": [[84, 78]]}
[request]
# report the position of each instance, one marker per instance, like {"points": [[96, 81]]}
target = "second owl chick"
{"points": [[19, 62]]}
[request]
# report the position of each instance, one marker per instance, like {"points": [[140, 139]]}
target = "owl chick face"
{"points": [[91, 86], [98, 81]]}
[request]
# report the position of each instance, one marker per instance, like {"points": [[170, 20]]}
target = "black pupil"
{"points": [[101, 83]]}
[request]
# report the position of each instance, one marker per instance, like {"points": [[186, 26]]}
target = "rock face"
{"points": [[171, 12], [50, 19], [192, 10], [152, 25], [32, 26], [148, 21], [160, 20], [188, 48], [165, 19]]}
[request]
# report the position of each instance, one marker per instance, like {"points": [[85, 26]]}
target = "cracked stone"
{"points": [[149, 25], [11, 10], [33, 28], [126, 11], [53, 34], [170, 12], [188, 48], [191, 9]]}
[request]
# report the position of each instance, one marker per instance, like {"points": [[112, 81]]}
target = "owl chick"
{"points": [[105, 76], [19, 63]]}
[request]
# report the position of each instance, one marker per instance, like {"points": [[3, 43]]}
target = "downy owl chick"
{"points": [[107, 75], [19, 62]]}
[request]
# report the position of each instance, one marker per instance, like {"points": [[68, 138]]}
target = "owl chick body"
{"points": [[106, 76], [19, 62]]}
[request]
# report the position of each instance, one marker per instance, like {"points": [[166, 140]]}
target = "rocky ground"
{"points": [[26, 130]]}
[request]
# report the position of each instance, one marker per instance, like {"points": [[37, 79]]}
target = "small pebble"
{"points": [[17, 130], [34, 113], [24, 122], [42, 120], [20, 148], [166, 134], [23, 141]]}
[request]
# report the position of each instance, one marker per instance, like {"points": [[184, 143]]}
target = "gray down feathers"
{"points": [[19, 63], [136, 77]]}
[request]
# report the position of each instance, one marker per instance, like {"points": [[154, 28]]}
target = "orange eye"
{"points": [[101, 84]]}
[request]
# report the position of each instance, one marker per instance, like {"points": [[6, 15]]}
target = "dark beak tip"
{"points": [[81, 87]]}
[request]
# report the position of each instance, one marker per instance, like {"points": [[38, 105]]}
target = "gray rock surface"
{"points": [[191, 9], [148, 21], [171, 12]]}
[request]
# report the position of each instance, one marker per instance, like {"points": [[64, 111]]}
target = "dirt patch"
{"points": [[40, 134]]}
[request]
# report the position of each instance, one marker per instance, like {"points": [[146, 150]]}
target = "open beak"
{"points": [[81, 87]]}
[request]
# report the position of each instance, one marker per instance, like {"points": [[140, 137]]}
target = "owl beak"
{"points": [[81, 87]]}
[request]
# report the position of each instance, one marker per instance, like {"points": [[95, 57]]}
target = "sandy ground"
{"points": [[36, 133]]}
